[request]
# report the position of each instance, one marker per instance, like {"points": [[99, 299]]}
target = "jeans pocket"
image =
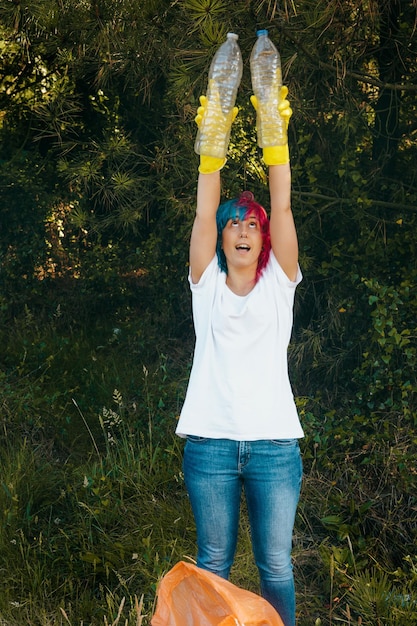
{"points": [[284, 443], [196, 439]]}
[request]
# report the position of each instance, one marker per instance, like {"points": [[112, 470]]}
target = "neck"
{"points": [[241, 283]]}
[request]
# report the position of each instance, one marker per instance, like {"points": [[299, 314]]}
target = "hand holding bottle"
{"points": [[211, 112], [279, 154], [272, 108], [217, 111]]}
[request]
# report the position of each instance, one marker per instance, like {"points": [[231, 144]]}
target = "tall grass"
{"points": [[93, 509], [78, 538]]}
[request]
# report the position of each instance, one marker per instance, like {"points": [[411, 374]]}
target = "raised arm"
{"points": [[283, 233], [204, 234]]}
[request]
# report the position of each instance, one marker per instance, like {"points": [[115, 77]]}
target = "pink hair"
{"points": [[242, 207]]}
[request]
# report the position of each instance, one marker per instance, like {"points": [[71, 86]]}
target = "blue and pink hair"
{"points": [[240, 208]]}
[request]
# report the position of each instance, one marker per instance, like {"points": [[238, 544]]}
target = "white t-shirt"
{"points": [[239, 386]]}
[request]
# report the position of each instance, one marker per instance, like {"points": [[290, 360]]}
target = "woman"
{"points": [[239, 414]]}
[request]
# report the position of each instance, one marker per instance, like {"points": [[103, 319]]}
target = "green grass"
{"points": [[93, 508]]}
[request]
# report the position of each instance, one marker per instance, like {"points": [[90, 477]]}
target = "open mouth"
{"points": [[243, 246]]}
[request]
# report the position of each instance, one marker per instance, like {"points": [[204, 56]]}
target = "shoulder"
{"points": [[274, 271], [210, 276]]}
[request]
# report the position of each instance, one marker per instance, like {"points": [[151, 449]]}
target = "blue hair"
{"points": [[239, 208]]}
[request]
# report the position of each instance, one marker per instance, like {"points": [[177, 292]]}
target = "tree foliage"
{"points": [[98, 169], [97, 161], [98, 178]]}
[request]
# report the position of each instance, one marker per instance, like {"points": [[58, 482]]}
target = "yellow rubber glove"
{"points": [[277, 155], [209, 163]]}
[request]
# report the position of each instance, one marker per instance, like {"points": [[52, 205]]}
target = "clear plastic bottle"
{"points": [[223, 81], [265, 65]]}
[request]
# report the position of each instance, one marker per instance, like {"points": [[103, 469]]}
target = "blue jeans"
{"points": [[270, 471]]}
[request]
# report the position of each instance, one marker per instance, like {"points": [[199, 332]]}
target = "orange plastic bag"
{"points": [[190, 596]]}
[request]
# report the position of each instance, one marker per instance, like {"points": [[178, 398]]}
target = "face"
{"points": [[242, 241]]}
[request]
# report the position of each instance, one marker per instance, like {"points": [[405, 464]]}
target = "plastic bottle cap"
{"points": [[261, 32], [232, 36]]}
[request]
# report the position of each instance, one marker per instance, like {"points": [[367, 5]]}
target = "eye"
{"points": [[253, 224], [235, 221]]}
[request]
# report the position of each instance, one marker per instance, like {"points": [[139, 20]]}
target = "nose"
{"points": [[243, 231]]}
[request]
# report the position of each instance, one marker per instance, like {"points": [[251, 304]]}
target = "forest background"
{"points": [[98, 181]]}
